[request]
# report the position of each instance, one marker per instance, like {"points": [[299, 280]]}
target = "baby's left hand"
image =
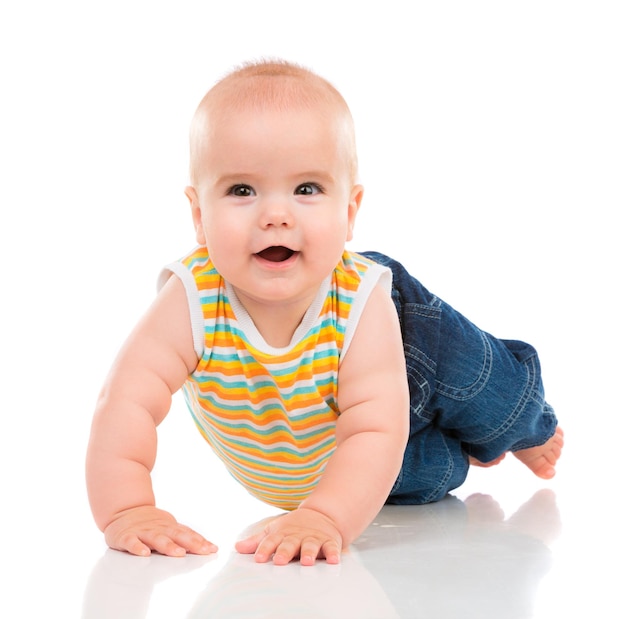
{"points": [[303, 533]]}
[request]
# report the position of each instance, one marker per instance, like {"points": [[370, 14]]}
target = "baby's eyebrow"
{"points": [[248, 178], [234, 179], [317, 175]]}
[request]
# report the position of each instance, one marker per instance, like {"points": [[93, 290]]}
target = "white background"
{"points": [[492, 142]]}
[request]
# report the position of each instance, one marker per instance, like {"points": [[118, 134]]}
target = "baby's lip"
{"points": [[276, 253]]}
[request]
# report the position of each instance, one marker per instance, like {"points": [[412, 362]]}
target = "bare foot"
{"points": [[475, 462], [541, 460]]}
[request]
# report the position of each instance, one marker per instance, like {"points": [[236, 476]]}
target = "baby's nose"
{"points": [[276, 212]]}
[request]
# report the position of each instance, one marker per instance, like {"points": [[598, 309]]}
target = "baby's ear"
{"points": [[196, 214], [356, 195]]}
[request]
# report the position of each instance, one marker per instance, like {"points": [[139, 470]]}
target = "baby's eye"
{"points": [[308, 189], [241, 191]]}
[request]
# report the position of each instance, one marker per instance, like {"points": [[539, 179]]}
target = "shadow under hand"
{"points": [[121, 584], [462, 559], [247, 589]]}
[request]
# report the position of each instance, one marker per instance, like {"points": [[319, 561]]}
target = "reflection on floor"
{"points": [[449, 559]]}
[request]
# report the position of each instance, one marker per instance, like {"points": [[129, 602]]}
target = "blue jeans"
{"points": [[471, 393]]}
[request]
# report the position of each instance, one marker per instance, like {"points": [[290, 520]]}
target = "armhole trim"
{"points": [[376, 275], [193, 301]]}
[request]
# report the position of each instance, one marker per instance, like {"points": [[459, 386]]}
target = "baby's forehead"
{"points": [[283, 89], [274, 92]]}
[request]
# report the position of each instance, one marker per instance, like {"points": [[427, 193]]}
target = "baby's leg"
{"points": [[490, 395], [482, 392], [541, 460]]}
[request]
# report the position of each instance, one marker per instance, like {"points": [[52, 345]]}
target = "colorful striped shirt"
{"points": [[270, 413]]}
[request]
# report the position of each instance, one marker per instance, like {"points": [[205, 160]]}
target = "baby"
{"points": [[328, 382]]}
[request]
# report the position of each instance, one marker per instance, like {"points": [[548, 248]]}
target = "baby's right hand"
{"points": [[141, 530]]}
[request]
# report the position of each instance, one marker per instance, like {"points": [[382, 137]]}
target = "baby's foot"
{"points": [[541, 460], [474, 462]]}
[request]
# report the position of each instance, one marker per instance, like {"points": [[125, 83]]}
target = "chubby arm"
{"points": [[371, 435], [153, 364]]}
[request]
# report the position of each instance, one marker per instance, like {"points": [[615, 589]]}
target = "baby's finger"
{"points": [[130, 543], [164, 545], [192, 542], [249, 545], [309, 551], [267, 547], [287, 550], [331, 550]]}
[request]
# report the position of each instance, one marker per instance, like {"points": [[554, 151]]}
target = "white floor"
{"points": [[453, 559], [507, 545]]}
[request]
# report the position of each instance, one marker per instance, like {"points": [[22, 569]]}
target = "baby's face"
{"points": [[274, 202]]}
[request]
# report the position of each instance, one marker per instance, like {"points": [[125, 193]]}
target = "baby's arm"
{"points": [[136, 397], [371, 437]]}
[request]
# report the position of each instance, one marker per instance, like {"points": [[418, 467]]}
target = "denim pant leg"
{"points": [[471, 393]]}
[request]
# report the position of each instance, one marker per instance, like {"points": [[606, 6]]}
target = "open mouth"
{"points": [[276, 253]]}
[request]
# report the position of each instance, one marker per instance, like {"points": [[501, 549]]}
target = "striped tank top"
{"points": [[269, 413]]}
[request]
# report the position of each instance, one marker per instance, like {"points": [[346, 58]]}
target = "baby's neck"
{"points": [[277, 334], [276, 324]]}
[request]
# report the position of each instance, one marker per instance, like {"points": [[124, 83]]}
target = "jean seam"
{"points": [[417, 381], [467, 393], [424, 311], [417, 355], [531, 370], [434, 494], [526, 444]]}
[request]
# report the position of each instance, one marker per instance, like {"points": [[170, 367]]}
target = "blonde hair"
{"points": [[275, 84]]}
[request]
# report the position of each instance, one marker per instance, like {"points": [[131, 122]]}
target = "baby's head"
{"points": [[266, 85], [273, 181]]}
